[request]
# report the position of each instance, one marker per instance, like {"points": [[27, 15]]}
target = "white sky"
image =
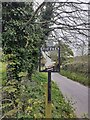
{"points": [[40, 1], [76, 52]]}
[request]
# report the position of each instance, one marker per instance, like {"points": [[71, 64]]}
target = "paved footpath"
{"points": [[73, 91]]}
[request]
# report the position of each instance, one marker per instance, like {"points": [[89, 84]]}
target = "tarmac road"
{"points": [[73, 91]]}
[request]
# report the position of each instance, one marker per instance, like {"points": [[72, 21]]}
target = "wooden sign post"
{"points": [[49, 66]]}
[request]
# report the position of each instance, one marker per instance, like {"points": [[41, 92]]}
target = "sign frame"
{"points": [[49, 48]]}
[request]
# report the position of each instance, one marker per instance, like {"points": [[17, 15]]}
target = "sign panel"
{"points": [[49, 59]]}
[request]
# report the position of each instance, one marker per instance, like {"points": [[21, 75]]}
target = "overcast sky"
{"points": [[76, 51], [40, 1]]}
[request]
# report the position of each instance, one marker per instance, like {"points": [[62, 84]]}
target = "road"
{"points": [[73, 91]]}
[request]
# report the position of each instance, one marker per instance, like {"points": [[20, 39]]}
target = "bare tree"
{"points": [[69, 22]]}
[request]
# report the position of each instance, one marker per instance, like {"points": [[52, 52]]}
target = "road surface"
{"points": [[73, 91]]}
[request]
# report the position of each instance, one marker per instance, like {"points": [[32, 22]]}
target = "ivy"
{"points": [[20, 45]]}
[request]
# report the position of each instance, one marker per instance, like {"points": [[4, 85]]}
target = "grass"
{"points": [[34, 97], [60, 108], [2, 72], [81, 78], [77, 70]]}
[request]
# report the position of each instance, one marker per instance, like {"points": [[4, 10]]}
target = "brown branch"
{"points": [[67, 28], [31, 19]]}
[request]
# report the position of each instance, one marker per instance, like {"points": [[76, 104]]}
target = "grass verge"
{"points": [[75, 76], [32, 98], [2, 72], [60, 108]]}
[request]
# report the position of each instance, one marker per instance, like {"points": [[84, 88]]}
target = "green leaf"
{"points": [[9, 89]]}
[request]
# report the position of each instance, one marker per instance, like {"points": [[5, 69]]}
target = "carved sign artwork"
{"points": [[49, 59]]}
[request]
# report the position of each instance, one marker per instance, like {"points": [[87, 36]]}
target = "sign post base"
{"points": [[48, 110]]}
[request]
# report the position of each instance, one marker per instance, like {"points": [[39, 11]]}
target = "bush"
{"points": [[26, 99], [77, 67], [81, 78]]}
